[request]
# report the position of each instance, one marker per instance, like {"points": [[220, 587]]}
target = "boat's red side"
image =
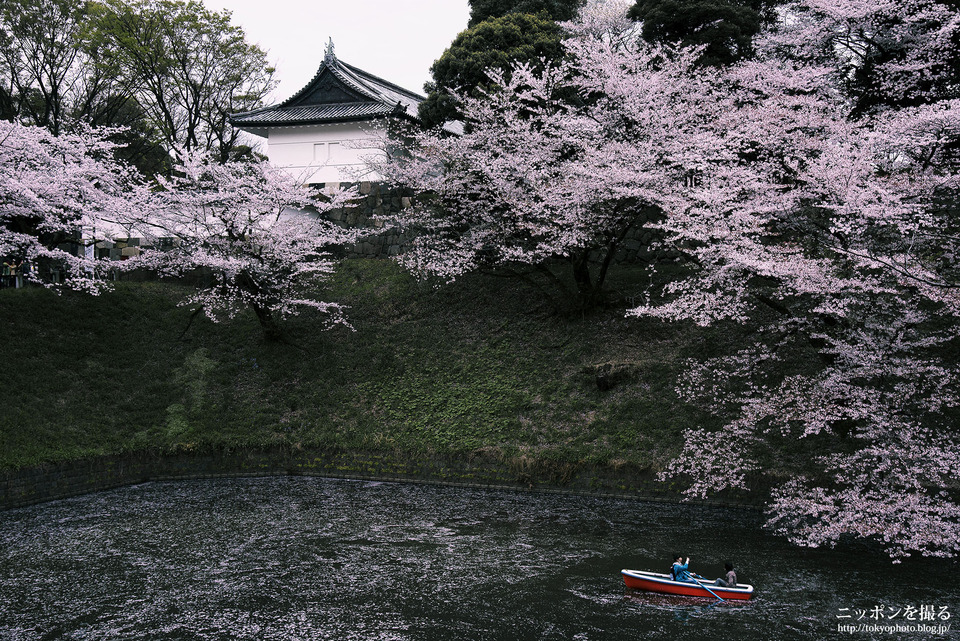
{"points": [[654, 583]]}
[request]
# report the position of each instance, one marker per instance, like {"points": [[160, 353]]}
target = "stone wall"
{"points": [[49, 482], [376, 201]]}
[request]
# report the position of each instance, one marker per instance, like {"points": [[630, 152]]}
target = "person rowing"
{"points": [[681, 572], [681, 569]]}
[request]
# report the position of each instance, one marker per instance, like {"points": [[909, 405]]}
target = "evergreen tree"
{"points": [[495, 44], [481, 10], [725, 27]]}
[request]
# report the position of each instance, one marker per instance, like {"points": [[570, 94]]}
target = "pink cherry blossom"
{"points": [[258, 233], [826, 227], [57, 190]]}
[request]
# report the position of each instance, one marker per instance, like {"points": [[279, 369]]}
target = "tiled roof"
{"points": [[312, 113], [338, 92]]}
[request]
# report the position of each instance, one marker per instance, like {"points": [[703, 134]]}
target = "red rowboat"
{"points": [[664, 584]]}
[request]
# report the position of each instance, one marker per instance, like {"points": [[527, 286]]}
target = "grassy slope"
{"points": [[478, 365]]}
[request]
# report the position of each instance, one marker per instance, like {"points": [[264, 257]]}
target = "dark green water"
{"points": [[305, 558]]}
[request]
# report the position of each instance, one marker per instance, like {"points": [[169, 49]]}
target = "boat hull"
{"points": [[664, 584]]}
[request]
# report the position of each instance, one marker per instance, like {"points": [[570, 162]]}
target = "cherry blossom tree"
{"points": [[535, 180], [59, 195], [826, 227], [883, 53], [257, 232], [844, 249]]}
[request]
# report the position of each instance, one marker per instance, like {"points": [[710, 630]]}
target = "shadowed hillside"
{"points": [[480, 365]]}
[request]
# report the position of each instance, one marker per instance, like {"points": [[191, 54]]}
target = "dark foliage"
{"points": [[481, 10], [726, 27], [497, 43]]}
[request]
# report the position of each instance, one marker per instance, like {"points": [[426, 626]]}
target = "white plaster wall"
{"points": [[325, 153]]}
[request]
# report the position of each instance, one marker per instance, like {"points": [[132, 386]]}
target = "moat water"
{"points": [[309, 558]]}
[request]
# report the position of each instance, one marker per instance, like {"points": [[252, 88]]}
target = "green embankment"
{"points": [[477, 366]]}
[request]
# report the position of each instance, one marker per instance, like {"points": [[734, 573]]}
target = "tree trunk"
{"points": [[581, 276], [271, 329], [268, 323]]}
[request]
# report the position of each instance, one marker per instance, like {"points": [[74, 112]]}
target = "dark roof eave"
{"points": [[267, 124], [379, 93]]}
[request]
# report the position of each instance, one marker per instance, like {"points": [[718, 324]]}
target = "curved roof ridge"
{"points": [[362, 81], [363, 96], [337, 69], [393, 86], [306, 89]]}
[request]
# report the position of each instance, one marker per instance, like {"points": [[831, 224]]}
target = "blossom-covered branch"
{"points": [[848, 229], [811, 190], [63, 191], [259, 234]]}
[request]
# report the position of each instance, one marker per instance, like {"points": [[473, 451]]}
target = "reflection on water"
{"points": [[305, 558]]}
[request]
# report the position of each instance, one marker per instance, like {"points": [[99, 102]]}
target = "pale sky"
{"points": [[397, 40]]}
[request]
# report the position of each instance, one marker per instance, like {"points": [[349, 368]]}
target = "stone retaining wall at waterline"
{"points": [[54, 481]]}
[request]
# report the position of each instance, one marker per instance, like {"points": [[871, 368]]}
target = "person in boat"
{"points": [[681, 570], [731, 578]]}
